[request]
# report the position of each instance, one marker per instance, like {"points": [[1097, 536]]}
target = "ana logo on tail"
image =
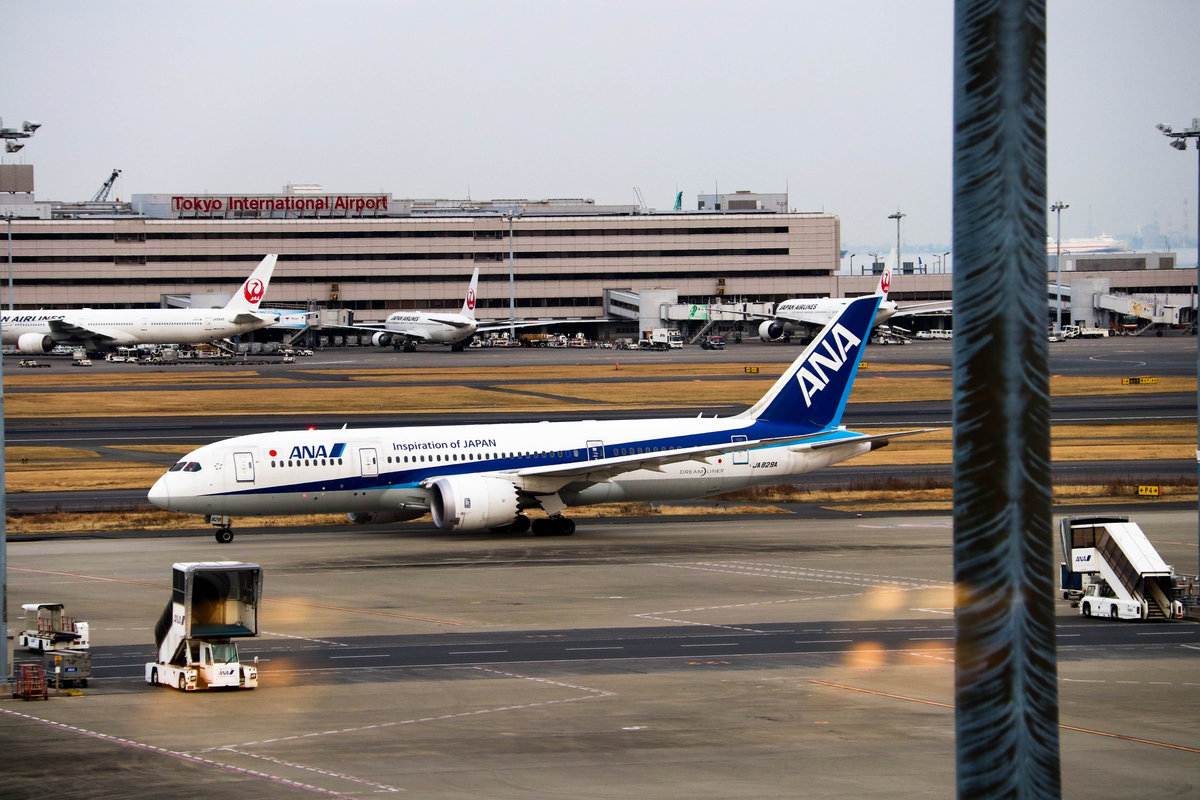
{"points": [[254, 291], [814, 380]]}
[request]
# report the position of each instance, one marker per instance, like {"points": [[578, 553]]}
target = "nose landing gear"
{"points": [[224, 533]]}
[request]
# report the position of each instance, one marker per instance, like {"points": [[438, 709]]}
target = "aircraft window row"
{"points": [[472, 456], [637, 451], [185, 466], [308, 462]]}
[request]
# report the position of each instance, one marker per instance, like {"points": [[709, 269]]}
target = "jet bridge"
{"points": [[1112, 570]]}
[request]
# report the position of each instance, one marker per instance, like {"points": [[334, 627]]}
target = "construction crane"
{"points": [[102, 194]]}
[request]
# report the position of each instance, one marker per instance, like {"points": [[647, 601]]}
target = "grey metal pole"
{"points": [[10, 281], [1006, 690], [4, 662], [1057, 208], [512, 282], [899, 262]]}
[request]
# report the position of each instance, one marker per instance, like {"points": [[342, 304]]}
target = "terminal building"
{"points": [[370, 254]]}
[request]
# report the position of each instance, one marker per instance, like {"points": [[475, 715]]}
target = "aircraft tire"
{"points": [[224, 535]]}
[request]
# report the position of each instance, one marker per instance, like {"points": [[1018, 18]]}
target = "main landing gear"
{"points": [[553, 526], [224, 526]]}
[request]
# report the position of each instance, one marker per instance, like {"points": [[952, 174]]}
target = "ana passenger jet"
{"points": [[106, 329], [481, 477]]}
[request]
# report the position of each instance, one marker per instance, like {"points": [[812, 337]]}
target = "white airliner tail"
{"points": [[468, 308], [885, 280], [251, 293]]}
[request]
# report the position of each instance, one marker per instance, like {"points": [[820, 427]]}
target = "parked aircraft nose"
{"points": [[159, 495]]}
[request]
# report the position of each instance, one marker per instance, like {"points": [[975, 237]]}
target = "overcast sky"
{"points": [[846, 105]]}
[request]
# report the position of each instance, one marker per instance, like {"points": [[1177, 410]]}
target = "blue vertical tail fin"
{"points": [[812, 392]]}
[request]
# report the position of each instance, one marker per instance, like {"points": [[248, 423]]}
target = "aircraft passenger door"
{"points": [[740, 456], [243, 467], [595, 450], [368, 461]]}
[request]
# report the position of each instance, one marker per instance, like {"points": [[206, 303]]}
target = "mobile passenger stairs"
{"points": [[1112, 570]]}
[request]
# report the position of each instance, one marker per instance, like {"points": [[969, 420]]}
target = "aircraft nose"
{"points": [[159, 495]]}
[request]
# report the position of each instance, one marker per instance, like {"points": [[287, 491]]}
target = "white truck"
{"points": [[1111, 570], [48, 628], [662, 339], [1082, 332], [213, 603]]}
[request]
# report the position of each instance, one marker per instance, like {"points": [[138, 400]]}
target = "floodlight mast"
{"points": [[1058, 208], [1179, 142]]}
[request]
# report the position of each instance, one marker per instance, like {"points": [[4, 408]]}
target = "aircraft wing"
{"points": [[549, 479], [65, 330], [917, 309]]}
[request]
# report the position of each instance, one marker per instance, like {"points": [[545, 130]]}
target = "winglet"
{"points": [[250, 294], [468, 309], [813, 391]]}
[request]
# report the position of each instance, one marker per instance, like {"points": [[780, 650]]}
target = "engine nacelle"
{"points": [[472, 503], [383, 517], [35, 343], [771, 330], [381, 339]]}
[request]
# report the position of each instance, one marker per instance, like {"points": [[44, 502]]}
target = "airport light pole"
{"points": [[1179, 142], [852, 263], [512, 281], [874, 261], [1058, 208], [944, 260], [898, 216]]}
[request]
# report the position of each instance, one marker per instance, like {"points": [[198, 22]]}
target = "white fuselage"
{"points": [[444, 328], [382, 469], [817, 312], [127, 327]]}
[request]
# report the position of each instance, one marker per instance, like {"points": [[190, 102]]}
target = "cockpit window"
{"points": [[178, 465], [192, 466]]}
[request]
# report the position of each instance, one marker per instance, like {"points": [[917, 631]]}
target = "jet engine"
{"points": [[472, 503], [403, 514], [381, 339], [35, 343], [771, 330]]}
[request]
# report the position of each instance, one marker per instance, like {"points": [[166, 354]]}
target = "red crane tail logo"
{"points": [[254, 291], [471, 301]]}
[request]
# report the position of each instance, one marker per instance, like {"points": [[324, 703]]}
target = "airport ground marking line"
{"points": [[305, 639], [383, 787], [189, 757], [593, 694], [1062, 726], [265, 600]]}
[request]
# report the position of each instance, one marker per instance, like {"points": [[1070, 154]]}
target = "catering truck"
{"points": [[1111, 570], [48, 628], [213, 603]]}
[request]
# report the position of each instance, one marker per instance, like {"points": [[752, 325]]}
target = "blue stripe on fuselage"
{"points": [[411, 476]]}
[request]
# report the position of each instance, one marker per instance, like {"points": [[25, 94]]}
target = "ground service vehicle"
{"points": [[1112, 570], [662, 339], [48, 628], [212, 604]]}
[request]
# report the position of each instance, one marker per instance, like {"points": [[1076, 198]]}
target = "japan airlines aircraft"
{"points": [[407, 329], [481, 477], [808, 315], [106, 329]]}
